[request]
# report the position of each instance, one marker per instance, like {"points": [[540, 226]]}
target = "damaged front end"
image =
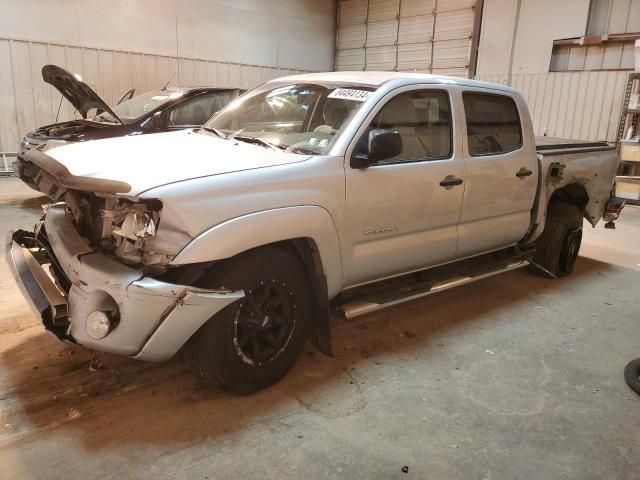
{"points": [[121, 226], [91, 268]]}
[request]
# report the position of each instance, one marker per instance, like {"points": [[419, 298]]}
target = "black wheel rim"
{"points": [[569, 253], [264, 323]]}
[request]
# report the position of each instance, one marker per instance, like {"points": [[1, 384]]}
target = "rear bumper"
{"points": [[64, 281]]}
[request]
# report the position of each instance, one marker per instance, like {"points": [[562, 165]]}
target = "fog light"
{"points": [[98, 324]]}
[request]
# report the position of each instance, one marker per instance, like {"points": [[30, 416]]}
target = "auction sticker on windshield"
{"points": [[350, 94]]}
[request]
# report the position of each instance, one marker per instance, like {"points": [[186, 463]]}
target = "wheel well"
{"points": [[306, 250], [574, 193]]}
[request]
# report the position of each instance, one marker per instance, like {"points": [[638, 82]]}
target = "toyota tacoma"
{"points": [[349, 191]]}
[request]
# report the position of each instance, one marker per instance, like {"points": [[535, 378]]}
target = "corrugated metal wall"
{"points": [[614, 16], [606, 56], [576, 105], [27, 102], [407, 35]]}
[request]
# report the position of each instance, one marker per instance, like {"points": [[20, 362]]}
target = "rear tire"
{"points": [[254, 342], [558, 246]]}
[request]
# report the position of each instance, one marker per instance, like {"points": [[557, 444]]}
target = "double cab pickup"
{"points": [[349, 191]]}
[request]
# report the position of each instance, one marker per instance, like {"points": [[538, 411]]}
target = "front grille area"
{"points": [[42, 241]]}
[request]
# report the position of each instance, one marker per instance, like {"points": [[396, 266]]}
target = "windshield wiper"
{"points": [[302, 150], [213, 130], [259, 141]]}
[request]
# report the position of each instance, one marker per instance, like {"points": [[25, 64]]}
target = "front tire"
{"points": [[558, 246], [254, 342]]}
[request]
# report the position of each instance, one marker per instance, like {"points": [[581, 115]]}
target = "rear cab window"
{"points": [[493, 123]]}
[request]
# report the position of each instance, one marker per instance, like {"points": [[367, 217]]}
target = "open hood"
{"points": [[81, 96]]}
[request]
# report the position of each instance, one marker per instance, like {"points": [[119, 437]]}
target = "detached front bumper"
{"points": [[64, 281]]}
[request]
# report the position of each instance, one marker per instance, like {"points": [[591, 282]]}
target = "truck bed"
{"points": [[589, 164], [550, 146]]}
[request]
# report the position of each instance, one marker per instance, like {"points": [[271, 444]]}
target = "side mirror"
{"points": [[382, 144]]}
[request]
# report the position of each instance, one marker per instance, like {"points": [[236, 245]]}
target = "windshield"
{"points": [[302, 119], [139, 105]]}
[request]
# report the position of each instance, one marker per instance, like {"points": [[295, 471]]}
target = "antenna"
{"points": [[168, 81], [177, 57]]}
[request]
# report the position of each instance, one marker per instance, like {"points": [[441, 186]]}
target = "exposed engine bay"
{"points": [[60, 130], [63, 131]]}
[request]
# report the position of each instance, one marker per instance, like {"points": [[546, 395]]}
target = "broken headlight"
{"points": [[127, 228], [136, 226]]}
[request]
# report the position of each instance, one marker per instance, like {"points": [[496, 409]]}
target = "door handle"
{"points": [[524, 172], [450, 181]]}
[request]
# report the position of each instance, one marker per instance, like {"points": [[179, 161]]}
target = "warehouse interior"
{"points": [[512, 376]]}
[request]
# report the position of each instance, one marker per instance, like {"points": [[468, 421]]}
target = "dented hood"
{"points": [[147, 161], [81, 96]]}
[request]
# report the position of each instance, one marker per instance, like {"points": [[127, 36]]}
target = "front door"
{"points": [[402, 213], [502, 172]]}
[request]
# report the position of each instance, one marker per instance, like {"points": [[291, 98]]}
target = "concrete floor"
{"points": [[514, 377]]}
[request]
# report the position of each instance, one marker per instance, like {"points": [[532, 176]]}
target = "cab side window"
{"points": [[493, 124], [196, 111], [423, 120]]}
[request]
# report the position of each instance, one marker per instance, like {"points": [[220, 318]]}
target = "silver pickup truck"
{"points": [[346, 191]]}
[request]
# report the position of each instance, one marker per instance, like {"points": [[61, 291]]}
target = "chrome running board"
{"points": [[358, 307]]}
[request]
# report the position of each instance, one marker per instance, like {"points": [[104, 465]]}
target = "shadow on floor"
{"points": [[53, 389]]}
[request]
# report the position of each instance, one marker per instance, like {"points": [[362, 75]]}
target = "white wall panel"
{"points": [[398, 35], [351, 59], [353, 12], [380, 10], [454, 25], [412, 8], [352, 36], [576, 105], [291, 33], [451, 53], [8, 115], [416, 29], [451, 5], [382, 33], [26, 102], [381, 58], [414, 57]]}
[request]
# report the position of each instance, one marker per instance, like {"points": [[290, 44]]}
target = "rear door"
{"points": [[402, 213], [501, 171]]}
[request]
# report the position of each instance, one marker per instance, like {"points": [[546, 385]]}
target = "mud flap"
{"points": [[321, 335], [612, 211]]}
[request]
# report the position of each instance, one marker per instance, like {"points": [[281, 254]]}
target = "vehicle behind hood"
{"points": [[147, 161], [81, 96]]}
